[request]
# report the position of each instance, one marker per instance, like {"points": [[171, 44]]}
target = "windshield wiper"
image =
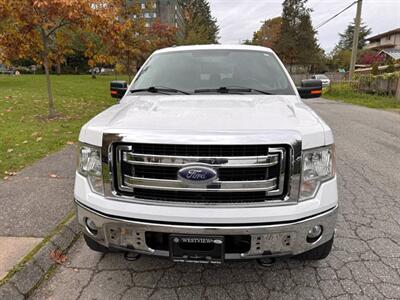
{"points": [[233, 89], [159, 90]]}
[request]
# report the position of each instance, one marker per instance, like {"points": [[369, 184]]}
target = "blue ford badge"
{"points": [[197, 174]]}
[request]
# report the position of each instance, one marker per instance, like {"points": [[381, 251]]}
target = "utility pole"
{"points": [[355, 40]]}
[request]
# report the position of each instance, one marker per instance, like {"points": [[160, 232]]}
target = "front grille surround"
{"points": [[160, 181], [289, 177]]}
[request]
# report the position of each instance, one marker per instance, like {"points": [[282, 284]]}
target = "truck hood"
{"points": [[227, 114]]}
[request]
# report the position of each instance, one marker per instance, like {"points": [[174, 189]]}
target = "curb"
{"points": [[20, 282]]}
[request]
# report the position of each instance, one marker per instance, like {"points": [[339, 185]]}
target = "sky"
{"points": [[238, 19]]}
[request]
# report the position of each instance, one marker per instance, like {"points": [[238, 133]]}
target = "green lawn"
{"points": [[345, 93], [25, 133]]}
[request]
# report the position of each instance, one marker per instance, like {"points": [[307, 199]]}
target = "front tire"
{"points": [[318, 253]]}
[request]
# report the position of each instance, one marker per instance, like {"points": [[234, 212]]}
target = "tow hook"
{"points": [[266, 262], [131, 256]]}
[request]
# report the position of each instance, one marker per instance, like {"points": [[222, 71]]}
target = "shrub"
{"points": [[375, 69]]}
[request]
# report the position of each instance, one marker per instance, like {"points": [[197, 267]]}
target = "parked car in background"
{"points": [[209, 155], [325, 80], [7, 71]]}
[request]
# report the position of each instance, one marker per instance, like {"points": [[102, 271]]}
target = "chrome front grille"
{"points": [[246, 173]]}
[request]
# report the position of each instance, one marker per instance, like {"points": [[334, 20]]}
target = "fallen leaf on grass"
{"points": [[70, 143], [10, 173], [5, 177], [10, 150], [35, 133], [53, 175], [25, 142], [39, 139], [58, 257]]}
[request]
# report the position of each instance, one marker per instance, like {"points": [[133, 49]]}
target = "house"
{"points": [[387, 40], [385, 45]]}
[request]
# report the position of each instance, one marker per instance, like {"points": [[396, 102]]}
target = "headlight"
{"points": [[318, 166], [89, 165]]}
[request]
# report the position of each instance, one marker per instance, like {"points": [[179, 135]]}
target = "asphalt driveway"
{"points": [[365, 262]]}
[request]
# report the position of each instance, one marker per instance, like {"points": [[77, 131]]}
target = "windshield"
{"points": [[210, 70]]}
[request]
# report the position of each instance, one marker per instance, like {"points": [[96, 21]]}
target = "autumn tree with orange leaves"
{"points": [[33, 28], [110, 31]]}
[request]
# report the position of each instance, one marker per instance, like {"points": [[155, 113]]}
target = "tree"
{"points": [[341, 59], [369, 57], [199, 26], [269, 34], [346, 38], [375, 69], [127, 41], [309, 53], [161, 35], [297, 43], [390, 66], [32, 30]]}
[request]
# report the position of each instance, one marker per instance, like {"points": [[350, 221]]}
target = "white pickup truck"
{"points": [[210, 155]]}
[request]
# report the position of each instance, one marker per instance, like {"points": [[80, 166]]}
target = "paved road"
{"points": [[365, 262]]}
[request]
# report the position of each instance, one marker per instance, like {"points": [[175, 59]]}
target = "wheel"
{"points": [[318, 253], [95, 246]]}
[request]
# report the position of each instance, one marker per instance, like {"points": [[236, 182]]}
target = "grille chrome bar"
{"points": [[179, 161], [218, 186]]}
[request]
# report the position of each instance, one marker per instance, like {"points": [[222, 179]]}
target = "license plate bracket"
{"points": [[197, 248]]}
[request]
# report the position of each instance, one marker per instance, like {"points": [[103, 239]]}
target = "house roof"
{"points": [[378, 36], [392, 52]]}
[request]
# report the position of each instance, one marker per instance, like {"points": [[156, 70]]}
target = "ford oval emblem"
{"points": [[197, 174]]}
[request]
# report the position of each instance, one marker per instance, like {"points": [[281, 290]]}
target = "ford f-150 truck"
{"points": [[209, 155]]}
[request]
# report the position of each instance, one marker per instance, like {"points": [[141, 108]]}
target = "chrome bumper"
{"points": [[267, 240]]}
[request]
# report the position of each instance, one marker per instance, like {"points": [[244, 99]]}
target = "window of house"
{"points": [[154, 15], [154, 5], [147, 15], [143, 5], [147, 24]]}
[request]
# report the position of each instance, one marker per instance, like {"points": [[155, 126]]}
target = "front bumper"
{"points": [[265, 240]]}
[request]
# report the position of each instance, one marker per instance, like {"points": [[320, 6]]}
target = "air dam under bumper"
{"points": [[265, 240]]}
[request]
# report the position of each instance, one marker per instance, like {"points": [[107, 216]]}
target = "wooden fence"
{"points": [[379, 86]]}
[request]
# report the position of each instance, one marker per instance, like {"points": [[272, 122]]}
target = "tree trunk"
{"points": [[128, 68], [58, 68], [52, 110]]}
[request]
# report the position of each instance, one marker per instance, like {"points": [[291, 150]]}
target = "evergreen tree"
{"points": [[297, 43], [346, 38], [200, 27]]}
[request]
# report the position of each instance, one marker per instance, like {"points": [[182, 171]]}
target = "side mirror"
{"points": [[310, 88], [118, 88]]}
